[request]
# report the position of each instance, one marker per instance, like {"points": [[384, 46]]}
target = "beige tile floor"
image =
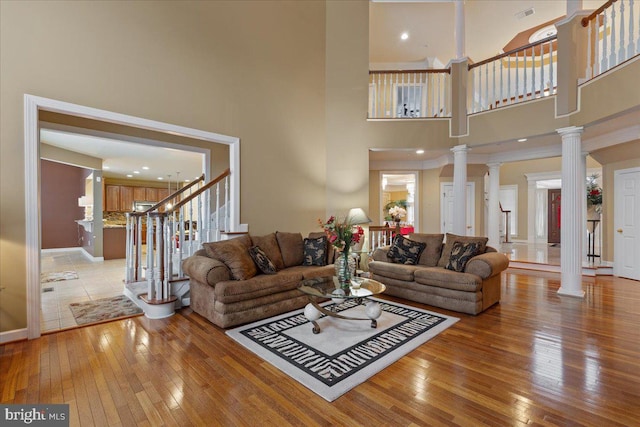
{"points": [[96, 280]]}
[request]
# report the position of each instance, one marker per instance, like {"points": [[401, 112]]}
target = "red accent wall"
{"points": [[61, 185]]}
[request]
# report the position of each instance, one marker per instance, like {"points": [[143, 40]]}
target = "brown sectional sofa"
{"points": [[471, 291], [228, 289]]}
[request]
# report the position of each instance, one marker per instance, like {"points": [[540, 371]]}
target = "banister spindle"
{"points": [[517, 77], [493, 86], [533, 73], [631, 48], [486, 86], [524, 74], [605, 58], [589, 70], [621, 51], [501, 81], [612, 50]]}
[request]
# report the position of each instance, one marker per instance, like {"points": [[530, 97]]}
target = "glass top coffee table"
{"points": [[321, 288]]}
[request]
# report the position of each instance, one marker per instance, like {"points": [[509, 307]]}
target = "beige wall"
{"points": [[255, 70]]}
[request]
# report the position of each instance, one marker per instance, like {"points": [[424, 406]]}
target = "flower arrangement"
{"points": [[397, 213], [341, 234], [594, 192]]}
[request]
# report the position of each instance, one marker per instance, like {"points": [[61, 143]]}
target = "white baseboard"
{"points": [[15, 335], [91, 257]]}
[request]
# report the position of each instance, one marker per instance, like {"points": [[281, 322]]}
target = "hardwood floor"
{"points": [[534, 359]]}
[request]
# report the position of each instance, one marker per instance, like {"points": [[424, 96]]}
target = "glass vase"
{"points": [[345, 266]]}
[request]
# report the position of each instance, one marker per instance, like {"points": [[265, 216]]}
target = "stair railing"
{"points": [[175, 228], [409, 94], [613, 35], [519, 75]]}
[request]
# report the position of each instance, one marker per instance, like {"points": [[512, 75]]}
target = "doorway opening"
{"points": [[399, 195]]}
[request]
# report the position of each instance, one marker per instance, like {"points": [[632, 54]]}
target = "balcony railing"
{"points": [[522, 74], [409, 94], [613, 35]]}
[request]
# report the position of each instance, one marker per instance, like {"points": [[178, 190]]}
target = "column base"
{"points": [[571, 293]]}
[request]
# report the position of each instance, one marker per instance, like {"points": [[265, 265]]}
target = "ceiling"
{"points": [[122, 158]]}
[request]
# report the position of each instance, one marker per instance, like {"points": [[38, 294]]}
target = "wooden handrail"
{"points": [[431, 70], [200, 190], [512, 51], [585, 21]]}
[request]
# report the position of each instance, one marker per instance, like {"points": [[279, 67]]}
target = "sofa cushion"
{"points": [[269, 246], [234, 254], [443, 278], [405, 251], [431, 253], [291, 248], [452, 238], [257, 286], [461, 254], [262, 261], [393, 271], [315, 251]]}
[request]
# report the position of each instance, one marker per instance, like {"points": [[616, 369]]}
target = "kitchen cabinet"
{"points": [[126, 198], [112, 198], [139, 194], [151, 194]]}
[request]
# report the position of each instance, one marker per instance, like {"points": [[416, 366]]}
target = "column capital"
{"points": [[494, 165], [571, 130], [460, 148]]}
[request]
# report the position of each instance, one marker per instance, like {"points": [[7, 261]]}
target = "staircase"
{"points": [[175, 228]]}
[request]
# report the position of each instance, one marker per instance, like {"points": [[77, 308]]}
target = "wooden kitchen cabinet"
{"points": [[151, 194], [126, 198], [139, 194], [112, 198]]}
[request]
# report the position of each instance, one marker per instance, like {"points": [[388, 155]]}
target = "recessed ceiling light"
{"points": [[160, 178], [136, 172], [404, 36], [187, 180], [129, 176], [522, 139], [419, 151], [145, 168]]}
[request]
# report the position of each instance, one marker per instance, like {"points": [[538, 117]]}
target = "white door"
{"points": [[446, 207], [626, 240]]}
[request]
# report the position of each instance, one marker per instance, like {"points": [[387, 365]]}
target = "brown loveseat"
{"points": [[472, 290], [228, 288]]}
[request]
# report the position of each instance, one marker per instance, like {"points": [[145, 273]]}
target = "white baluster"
{"points": [[612, 50], [158, 244], [596, 49], [589, 70], [508, 80], [533, 72], [517, 77], [524, 75], [139, 248], [150, 275], [480, 88], [493, 86], [486, 86], [605, 59], [541, 69], [473, 90], [621, 51], [638, 39], [631, 47], [501, 82], [551, 73], [384, 97]]}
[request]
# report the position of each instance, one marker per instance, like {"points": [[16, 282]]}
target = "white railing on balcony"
{"points": [[409, 94], [613, 35], [522, 74], [175, 227]]}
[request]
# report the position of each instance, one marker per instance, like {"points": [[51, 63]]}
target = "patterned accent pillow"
{"points": [[262, 260], [405, 251], [315, 251], [461, 253]]}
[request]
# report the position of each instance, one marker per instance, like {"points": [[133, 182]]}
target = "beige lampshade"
{"points": [[357, 216]]}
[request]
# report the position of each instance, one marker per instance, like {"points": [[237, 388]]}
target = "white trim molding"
{"points": [[32, 106], [11, 336]]}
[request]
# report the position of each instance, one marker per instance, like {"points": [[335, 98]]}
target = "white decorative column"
{"points": [[532, 208], [458, 31], [460, 190], [493, 223], [573, 6], [571, 227]]}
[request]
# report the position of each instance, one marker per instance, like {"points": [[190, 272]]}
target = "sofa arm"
{"points": [[487, 264], [205, 270], [380, 254]]}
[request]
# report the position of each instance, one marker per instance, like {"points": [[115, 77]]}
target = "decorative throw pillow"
{"points": [[262, 261], [315, 251], [452, 238], [431, 254], [233, 253], [405, 251], [461, 254], [269, 245]]}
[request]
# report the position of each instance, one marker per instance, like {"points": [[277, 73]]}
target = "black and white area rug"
{"points": [[346, 352]]}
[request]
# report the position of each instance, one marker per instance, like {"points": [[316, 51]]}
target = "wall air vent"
{"points": [[525, 13]]}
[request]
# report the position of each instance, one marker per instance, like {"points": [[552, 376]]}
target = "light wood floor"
{"points": [[534, 359]]}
